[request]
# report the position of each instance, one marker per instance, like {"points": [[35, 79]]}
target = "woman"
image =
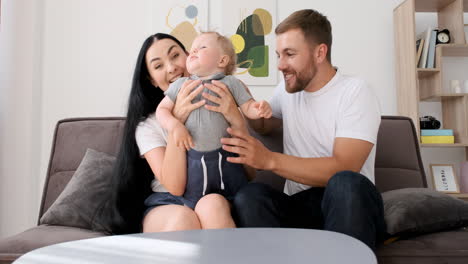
{"points": [[149, 159]]}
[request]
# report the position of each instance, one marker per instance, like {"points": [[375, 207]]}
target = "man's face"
{"points": [[295, 60]]}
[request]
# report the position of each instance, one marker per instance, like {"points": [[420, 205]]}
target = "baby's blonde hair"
{"points": [[227, 47]]}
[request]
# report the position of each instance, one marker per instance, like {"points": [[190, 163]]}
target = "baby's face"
{"points": [[205, 56]]}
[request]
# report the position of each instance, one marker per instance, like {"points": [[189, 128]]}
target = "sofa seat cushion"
{"points": [[40, 236], [441, 247]]}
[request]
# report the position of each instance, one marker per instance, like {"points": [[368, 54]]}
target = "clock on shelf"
{"points": [[443, 36]]}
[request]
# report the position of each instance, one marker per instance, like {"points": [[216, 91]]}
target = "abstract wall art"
{"points": [[250, 26], [184, 19]]}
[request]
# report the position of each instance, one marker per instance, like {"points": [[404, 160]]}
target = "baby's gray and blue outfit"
{"points": [[208, 171]]}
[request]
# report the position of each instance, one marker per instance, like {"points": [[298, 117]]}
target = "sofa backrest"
{"points": [[398, 161], [71, 139]]}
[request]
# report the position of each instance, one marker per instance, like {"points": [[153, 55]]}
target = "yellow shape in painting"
{"points": [[265, 18], [185, 33], [238, 43]]}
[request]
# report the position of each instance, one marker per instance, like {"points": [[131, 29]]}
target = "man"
{"points": [[330, 123]]}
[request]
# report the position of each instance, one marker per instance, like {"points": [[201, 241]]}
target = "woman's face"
{"points": [[166, 63]]}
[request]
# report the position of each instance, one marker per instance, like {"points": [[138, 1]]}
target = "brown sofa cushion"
{"points": [[413, 211], [434, 248], [41, 236], [81, 204], [73, 136]]}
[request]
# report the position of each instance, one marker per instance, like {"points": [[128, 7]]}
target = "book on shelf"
{"points": [[426, 35], [431, 49], [437, 139], [419, 48], [436, 132]]}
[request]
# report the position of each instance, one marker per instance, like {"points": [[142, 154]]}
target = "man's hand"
{"points": [[263, 109], [251, 151], [182, 137]]}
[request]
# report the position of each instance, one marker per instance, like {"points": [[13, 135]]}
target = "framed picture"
{"points": [[251, 27], [183, 19], [466, 32], [444, 179]]}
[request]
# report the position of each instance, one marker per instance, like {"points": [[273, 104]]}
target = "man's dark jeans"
{"points": [[350, 204]]}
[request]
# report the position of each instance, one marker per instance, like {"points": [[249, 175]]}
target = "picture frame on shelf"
{"points": [[466, 32], [444, 178]]}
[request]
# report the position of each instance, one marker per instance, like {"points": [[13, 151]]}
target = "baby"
{"points": [[212, 57]]}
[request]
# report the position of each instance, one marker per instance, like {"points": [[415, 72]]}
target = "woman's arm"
{"points": [[169, 164]]}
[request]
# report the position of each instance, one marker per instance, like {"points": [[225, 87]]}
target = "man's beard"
{"points": [[303, 79], [301, 82]]}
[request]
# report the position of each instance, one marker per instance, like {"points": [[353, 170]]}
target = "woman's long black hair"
{"points": [[132, 174]]}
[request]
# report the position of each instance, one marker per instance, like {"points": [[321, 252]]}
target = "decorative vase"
{"points": [[455, 86]]}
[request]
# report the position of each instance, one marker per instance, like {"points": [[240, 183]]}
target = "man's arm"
{"points": [[348, 154]]}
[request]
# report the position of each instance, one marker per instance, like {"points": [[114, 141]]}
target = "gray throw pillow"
{"points": [[414, 211], [82, 201]]}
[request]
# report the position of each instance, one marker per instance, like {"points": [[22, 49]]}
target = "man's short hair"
{"points": [[315, 26], [228, 48]]}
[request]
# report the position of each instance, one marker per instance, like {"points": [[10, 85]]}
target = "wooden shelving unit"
{"points": [[456, 145], [463, 196], [414, 84]]}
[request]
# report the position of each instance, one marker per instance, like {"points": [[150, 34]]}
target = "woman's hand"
{"points": [[183, 104], [227, 105]]}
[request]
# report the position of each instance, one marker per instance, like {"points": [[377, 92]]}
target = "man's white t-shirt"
{"points": [[344, 107], [150, 135]]}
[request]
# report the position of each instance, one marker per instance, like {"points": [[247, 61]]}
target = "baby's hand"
{"points": [[182, 137], [263, 109]]}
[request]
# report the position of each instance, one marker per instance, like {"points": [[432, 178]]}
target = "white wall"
{"points": [[89, 53], [20, 86], [77, 57]]}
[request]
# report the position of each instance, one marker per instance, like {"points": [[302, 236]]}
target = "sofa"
{"points": [[398, 165]]}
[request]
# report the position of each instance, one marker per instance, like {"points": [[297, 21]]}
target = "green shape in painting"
{"points": [[259, 53], [245, 29]]}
